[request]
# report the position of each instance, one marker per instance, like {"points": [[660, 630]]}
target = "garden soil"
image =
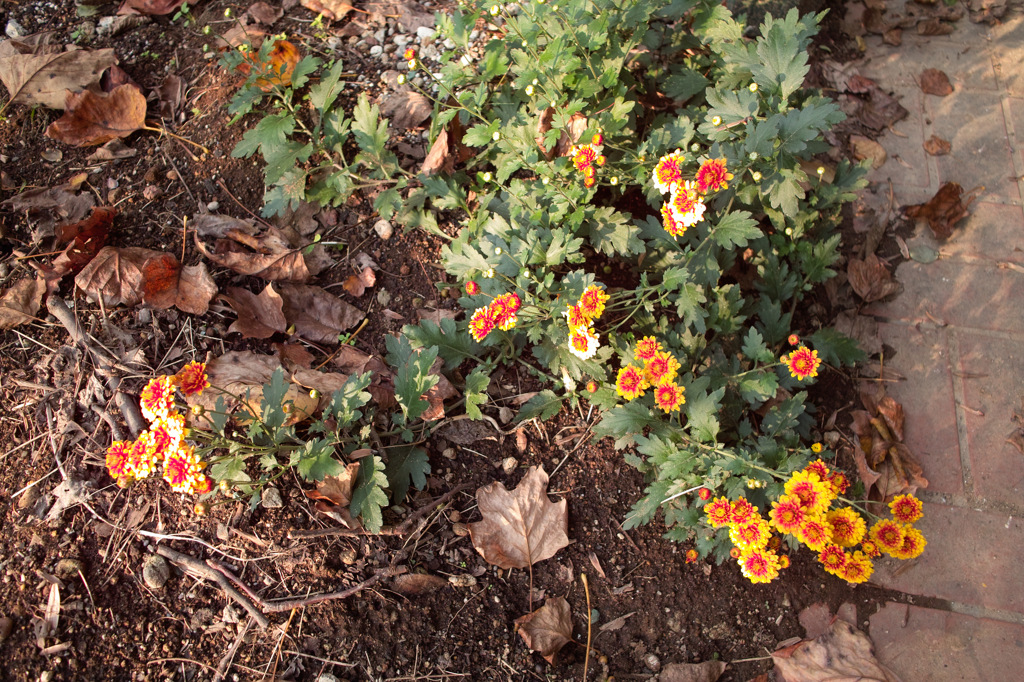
{"points": [[646, 608]]}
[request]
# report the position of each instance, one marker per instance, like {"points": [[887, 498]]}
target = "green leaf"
{"points": [[689, 306], [368, 497], [271, 132], [784, 416], [836, 348], [218, 417], [754, 347], [316, 460], [370, 132], [306, 66], [406, 465], [346, 401], [683, 83], [232, 470], [452, 345], [735, 229], [323, 94], [272, 404], [413, 377], [783, 60], [702, 414], [613, 233], [481, 135], [544, 405], [629, 419], [647, 506], [476, 392]]}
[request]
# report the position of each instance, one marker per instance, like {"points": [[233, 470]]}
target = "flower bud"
{"points": [[198, 410], [207, 30], [716, 120], [545, 180], [224, 486], [529, 91], [494, 10], [412, 64], [756, 176], [601, 160], [752, 156], [401, 78], [591, 387], [228, 13], [597, 139], [487, 176], [753, 87], [821, 171], [200, 508], [496, 136], [589, 182], [314, 394], [793, 340], [704, 494], [409, 54], [472, 288], [614, 180]]}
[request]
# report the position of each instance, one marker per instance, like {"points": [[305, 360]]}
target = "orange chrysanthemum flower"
{"points": [[691, 556], [142, 457], [118, 457], [472, 288], [192, 378], [814, 495], [819, 468], [888, 534], [482, 323], [504, 308], [848, 528], [858, 568], [668, 221], [784, 561], [202, 485], [630, 382], [584, 157], [814, 532], [793, 340], [668, 171], [913, 544], [661, 368], [183, 470], [410, 53], [576, 318], [759, 565], [803, 363], [583, 343], [646, 348], [838, 482], [870, 548], [718, 512], [686, 204], [833, 558], [592, 301], [157, 398], [712, 176], [743, 511], [906, 508], [735, 552], [753, 534], [167, 434], [787, 515], [669, 396]]}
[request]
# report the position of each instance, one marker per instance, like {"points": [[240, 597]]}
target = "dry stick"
{"points": [[225, 662], [586, 658], [400, 529], [104, 364]]}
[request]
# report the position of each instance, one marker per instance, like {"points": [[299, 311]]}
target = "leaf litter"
{"points": [[37, 70], [547, 629], [944, 210], [92, 119]]}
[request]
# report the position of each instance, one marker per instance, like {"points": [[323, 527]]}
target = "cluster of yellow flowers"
{"points": [[163, 442], [659, 370], [685, 206], [583, 340]]}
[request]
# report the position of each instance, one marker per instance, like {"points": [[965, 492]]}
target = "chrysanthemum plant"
{"points": [[242, 443]]}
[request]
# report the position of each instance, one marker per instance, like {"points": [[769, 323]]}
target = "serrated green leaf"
{"points": [[271, 132], [413, 377], [346, 402], [368, 497], [647, 506], [836, 348], [316, 460], [476, 393], [323, 94], [272, 403], [452, 345], [544, 405], [370, 132], [735, 229], [306, 66], [702, 414], [407, 465]]}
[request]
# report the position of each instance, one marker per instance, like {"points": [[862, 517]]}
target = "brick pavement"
{"points": [[957, 335]]}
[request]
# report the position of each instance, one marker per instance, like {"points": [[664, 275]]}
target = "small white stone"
{"points": [[380, 35], [213, 206], [155, 571], [271, 498], [473, 35], [449, 44], [383, 229], [424, 32], [14, 29], [376, 51]]}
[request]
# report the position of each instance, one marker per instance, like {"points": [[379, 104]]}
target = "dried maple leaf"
{"points": [[943, 211], [154, 7], [92, 119], [547, 629], [936, 146], [115, 275], [842, 653], [406, 108], [522, 527], [51, 206], [935, 82], [318, 315], [166, 283], [275, 259], [708, 671], [358, 283], [870, 279], [260, 316], [36, 71], [20, 303]]}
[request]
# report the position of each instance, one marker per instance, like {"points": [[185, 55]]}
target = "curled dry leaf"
{"points": [[51, 206], [357, 284], [870, 279], [169, 95], [935, 82], [260, 316], [115, 275], [842, 653], [264, 13], [36, 71], [20, 303], [547, 629], [866, 148], [274, 259], [522, 527], [92, 119], [406, 108], [166, 283], [316, 314], [86, 238], [115, 149], [412, 584], [934, 27], [334, 494], [873, 107], [936, 146], [943, 211], [708, 671]]}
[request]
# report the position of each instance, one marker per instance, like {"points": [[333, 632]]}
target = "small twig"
{"points": [[288, 604], [586, 658], [322, 660], [225, 662]]}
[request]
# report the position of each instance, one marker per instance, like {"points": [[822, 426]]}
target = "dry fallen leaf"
{"points": [[87, 237], [334, 494], [92, 119], [943, 211], [357, 284], [51, 206], [115, 275], [547, 629], [936, 146], [115, 149], [412, 584], [522, 527], [935, 82], [36, 71], [277, 70], [316, 314], [264, 13], [874, 107], [332, 9], [169, 95], [156, 7], [866, 148], [934, 27], [870, 279], [20, 303], [406, 108], [166, 283], [617, 623], [438, 157], [708, 671], [842, 653], [260, 316], [274, 258]]}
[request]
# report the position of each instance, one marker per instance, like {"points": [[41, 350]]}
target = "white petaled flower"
{"points": [[578, 338], [496, 136], [401, 78], [756, 176], [694, 213], [487, 176], [614, 180], [529, 91], [494, 10], [545, 180]]}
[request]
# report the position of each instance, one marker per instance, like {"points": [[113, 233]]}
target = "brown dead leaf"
{"points": [[873, 107], [264, 13], [20, 303], [260, 316], [894, 37], [92, 119], [943, 211], [438, 393], [708, 671], [166, 283], [438, 157], [866, 148], [149, 7], [892, 412], [842, 653], [115, 275], [332, 9], [220, 226], [357, 284], [934, 27], [115, 149], [522, 527], [169, 95], [870, 279], [406, 108], [935, 82], [37, 71], [274, 259], [547, 629], [936, 146], [874, 21], [435, 315], [412, 584], [87, 237], [316, 314], [50, 207], [334, 494], [617, 623], [816, 619]]}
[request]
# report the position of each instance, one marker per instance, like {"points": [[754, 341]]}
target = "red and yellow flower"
{"points": [[646, 348], [803, 363], [913, 544], [583, 342], [584, 157], [661, 368], [575, 316], [743, 511], [504, 308], [118, 457], [668, 221], [167, 434], [157, 398], [888, 535], [753, 534], [712, 176], [472, 288], [718, 512], [832, 558], [691, 556], [143, 456], [669, 396], [848, 527], [482, 323], [787, 515], [814, 495], [668, 171], [592, 301], [759, 565], [192, 378], [630, 382], [686, 204], [906, 508], [858, 568], [814, 532], [183, 470]]}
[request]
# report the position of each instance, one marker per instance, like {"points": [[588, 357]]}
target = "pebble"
{"points": [[430, 52], [327, 677], [68, 568], [15, 30], [6, 627], [509, 464], [376, 51], [401, 40], [348, 556], [449, 44], [383, 229], [652, 662], [213, 206], [449, 453], [380, 35], [464, 580], [424, 32], [271, 498], [474, 35], [155, 571], [152, 192], [460, 529]]}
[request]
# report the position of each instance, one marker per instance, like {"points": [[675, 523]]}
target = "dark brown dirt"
{"points": [[117, 628]]}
